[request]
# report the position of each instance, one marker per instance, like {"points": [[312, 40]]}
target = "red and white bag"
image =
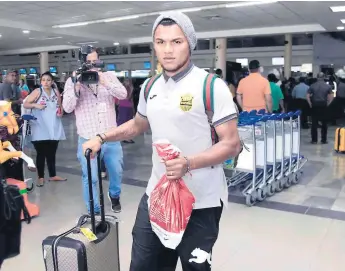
{"points": [[170, 204]]}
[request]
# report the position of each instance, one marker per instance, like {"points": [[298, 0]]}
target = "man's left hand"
{"points": [[176, 168], [101, 77]]}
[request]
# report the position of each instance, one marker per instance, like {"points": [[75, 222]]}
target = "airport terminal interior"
{"points": [[295, 222]]}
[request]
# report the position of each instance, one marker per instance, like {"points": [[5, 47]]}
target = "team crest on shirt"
{"points": [[186, 102]]}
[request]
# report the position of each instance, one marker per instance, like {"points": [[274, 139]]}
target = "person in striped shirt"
{"points": [[94, 108]]}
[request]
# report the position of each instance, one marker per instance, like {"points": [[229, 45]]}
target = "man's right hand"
{"points": [[40, 106], [77, 87], [94, 145]]}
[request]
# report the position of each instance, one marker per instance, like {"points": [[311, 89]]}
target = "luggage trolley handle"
{"points": [[101, 194]]}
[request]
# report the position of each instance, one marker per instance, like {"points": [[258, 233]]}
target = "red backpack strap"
{"points": [[209, 102], [149, 85]]}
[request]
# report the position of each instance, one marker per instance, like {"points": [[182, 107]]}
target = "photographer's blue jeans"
{"points": [[112, 155]]}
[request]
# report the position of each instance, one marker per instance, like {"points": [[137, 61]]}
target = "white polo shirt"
{"points": [[176, 112]]}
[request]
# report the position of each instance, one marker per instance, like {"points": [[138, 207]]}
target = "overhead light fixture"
{"points": [[87, 42], [186, 10], [157, 13], [45, 38], [338, 9], [247, 4], [0, 35], [26, 31], [340, 27], [70, 25], [343, 21], [116, 43], [130, 17]]}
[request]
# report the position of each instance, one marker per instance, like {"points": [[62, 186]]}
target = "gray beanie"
{"points": [[183, 22]]}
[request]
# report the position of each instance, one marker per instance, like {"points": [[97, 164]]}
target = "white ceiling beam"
{"points": [[70, 32], [306, 28], [38, 49]]}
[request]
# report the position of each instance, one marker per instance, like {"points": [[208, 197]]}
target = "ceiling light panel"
{"points": [[338, 9], [186, 10]]}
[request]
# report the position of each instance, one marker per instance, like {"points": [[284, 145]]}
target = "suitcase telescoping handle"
{"points": [[101, 194]]}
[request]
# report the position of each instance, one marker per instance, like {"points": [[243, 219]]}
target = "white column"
{"points": [[153, 61], [44, 62], [287, 56], [220, 62]]}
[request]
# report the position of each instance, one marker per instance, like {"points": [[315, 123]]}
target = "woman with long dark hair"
{"points": [[126, 107], [47, 130]]}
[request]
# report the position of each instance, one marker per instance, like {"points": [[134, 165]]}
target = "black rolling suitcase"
{"points": [[92, 245]]}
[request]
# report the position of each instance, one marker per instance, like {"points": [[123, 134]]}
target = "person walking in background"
{"points": [[47, 130], [126, 110], [24, 89], [319, 97], [277, 94], [254, 92], [94, 108], [299, 95]]}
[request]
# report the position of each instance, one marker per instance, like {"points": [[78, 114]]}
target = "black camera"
{"points": [[85, 75]]}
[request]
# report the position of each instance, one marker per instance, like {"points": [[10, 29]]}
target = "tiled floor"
{"points": [[275, 235]]}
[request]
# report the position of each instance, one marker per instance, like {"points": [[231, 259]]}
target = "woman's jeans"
{"points": [[112, 155]]}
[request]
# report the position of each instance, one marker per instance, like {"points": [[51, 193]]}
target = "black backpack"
{"points": [[11, 207]]}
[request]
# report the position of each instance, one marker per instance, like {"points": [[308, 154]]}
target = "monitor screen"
{"points": [[22, 71], [53, 69], [147, 65], [111, 67], [4, 72], [33, 71]]}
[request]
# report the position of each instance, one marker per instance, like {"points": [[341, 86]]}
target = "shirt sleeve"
{"points": [[142, 102], [114, 86], [267, 88], [224, 106], [280, 93], [70, 98], [240, 88]]}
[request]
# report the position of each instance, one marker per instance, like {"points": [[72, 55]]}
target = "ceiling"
{"points": [[40, 16]]}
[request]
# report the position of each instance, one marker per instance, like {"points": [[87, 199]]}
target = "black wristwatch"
{"points": [[101, 138]]}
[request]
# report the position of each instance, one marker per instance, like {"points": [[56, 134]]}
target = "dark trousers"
{"points": [[319, 114], [46, 150], [194, 251], [302, 104]]}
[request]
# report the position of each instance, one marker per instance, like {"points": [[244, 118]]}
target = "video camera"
{"points": [[87, 76]]}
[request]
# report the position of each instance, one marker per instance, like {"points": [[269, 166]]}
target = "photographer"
{"points": [[94, 108]]}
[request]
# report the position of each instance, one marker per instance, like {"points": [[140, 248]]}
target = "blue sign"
{"points": [[22, 71], [33, 71], [111, 67], [4, 72], [147, 65], [53, 69]]}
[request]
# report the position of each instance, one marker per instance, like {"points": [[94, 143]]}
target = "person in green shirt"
{"points": [[277, 94]]}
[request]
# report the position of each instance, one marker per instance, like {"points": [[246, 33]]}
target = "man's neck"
{"points": [[171, 74]]}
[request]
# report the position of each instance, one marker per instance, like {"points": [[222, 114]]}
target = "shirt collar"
{"points": [[177, 77]]}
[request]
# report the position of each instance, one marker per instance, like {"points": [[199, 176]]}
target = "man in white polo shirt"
{"points": [[175, 111]]}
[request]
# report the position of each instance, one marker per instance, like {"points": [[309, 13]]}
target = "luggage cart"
{"points": [[251, 165], [295, 160], [272, 144]]}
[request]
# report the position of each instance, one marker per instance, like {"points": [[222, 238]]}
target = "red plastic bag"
{"points": [[170, 204]]}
